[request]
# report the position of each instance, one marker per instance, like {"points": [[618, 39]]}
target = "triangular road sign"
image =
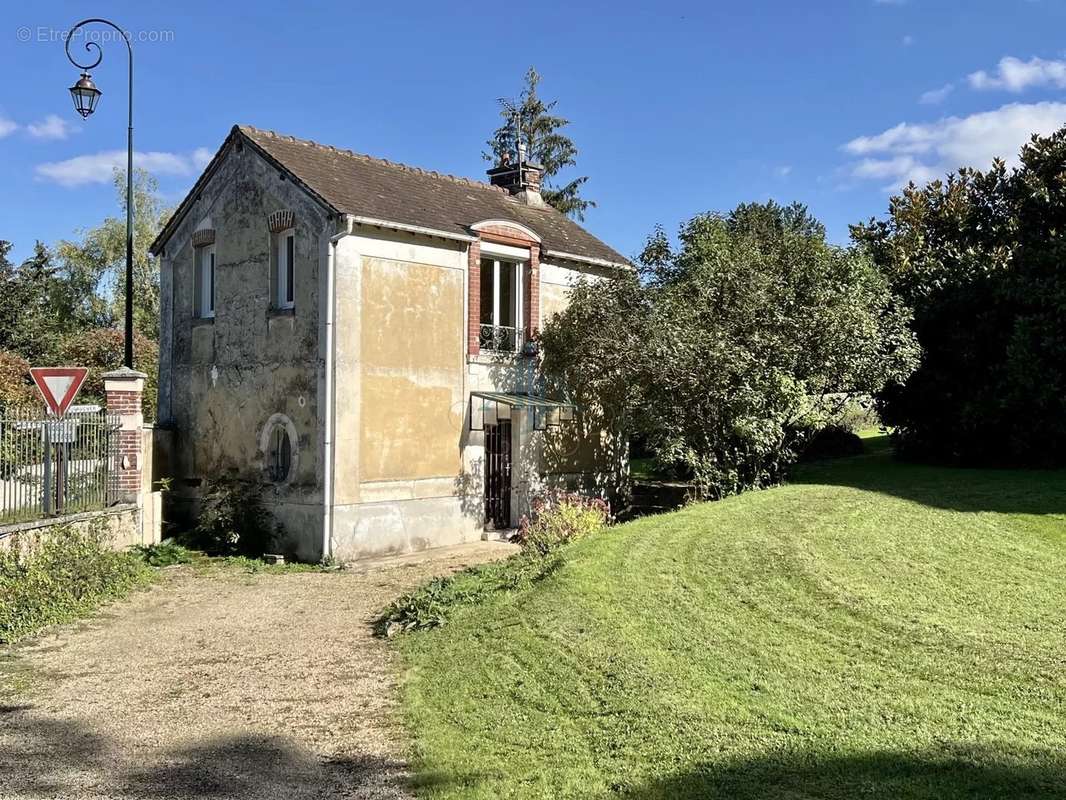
{"points": [[58, 386]]}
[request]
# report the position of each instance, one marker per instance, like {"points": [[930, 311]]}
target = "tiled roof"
{"points": [[370, 187]]}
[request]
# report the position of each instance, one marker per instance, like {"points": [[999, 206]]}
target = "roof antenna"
{"points": [[516, 125], [520, 146]]}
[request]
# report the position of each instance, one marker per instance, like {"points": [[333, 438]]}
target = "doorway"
{"points": [[498, 475]]}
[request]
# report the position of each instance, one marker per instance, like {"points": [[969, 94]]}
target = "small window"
{"points": [[279, 457], [285, 278], [280, 447], [205, 282]]}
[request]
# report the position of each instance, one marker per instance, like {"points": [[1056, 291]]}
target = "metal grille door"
{"points": [[498, 474]]}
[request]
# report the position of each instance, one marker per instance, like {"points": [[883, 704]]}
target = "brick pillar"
{"points": [[532, 310], [473, 333], [123, 389]]}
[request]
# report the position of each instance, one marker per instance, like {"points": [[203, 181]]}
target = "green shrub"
{"points": [[164, 554], [557, 518], [431, 604], [233, 521], [67, 574], [858, 414], [832, 441], [712, 352], [16, 391]]}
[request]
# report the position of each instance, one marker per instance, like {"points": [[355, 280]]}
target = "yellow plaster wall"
{"points": [[553, 300], [412, 370]]}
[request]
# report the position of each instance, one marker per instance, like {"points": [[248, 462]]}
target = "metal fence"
{"points": [[52, 466]]}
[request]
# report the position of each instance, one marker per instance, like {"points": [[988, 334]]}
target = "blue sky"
{"points": [[677, 107]]}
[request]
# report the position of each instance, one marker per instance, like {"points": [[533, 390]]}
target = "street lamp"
{"points": [[85, 96]]}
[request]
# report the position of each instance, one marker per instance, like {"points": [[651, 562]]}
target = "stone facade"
{"points": [[223, 378]]}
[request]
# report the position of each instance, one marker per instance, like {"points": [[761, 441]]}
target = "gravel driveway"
{"points": [[218, 684]]}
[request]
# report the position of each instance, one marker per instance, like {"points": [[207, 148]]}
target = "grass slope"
{"points": [[874, 629]]}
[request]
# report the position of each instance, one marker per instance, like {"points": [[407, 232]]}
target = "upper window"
{"points": [[205, 282], [501, 305], [285, 269]]}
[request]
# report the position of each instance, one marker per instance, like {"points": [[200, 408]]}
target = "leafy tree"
{"points": [[723, 353], [9, 307], [95, 267], [66, 309], [102, 350], [16, 390], [979, 256], [545, 144], [33, 314]]}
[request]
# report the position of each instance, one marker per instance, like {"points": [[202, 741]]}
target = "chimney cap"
{"points": [[503, 169], [522, 182]]}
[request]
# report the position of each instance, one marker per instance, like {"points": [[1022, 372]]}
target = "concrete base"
{"points": [[370, 530]]}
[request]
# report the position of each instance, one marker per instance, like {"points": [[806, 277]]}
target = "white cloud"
{"points": [[99, 167], [908, 40], [7, 127], [783, 171], [923, 151], [881, 169], [51, 127], [1015, 75], [935, 97], [201, 157]]}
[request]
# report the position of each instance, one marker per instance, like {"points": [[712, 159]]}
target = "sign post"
{"points": [[47, 497], [58, 387]]}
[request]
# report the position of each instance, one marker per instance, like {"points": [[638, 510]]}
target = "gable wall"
{"points": [[222, 381]]}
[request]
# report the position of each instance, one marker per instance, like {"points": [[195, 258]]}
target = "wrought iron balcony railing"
{"points": [[500, 338]]}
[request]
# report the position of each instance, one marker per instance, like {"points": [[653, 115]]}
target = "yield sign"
{"points": [[58, 385]]}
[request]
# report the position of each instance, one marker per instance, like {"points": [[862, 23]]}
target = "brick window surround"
{"points": [[501, 234]]}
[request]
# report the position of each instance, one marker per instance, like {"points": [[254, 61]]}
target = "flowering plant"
{"points": [[557, 517]]}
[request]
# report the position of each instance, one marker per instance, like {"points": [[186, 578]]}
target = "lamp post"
{"points": [[85, 96]]}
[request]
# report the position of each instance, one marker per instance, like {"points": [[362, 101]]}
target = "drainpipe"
{"points": [[331, 353]]}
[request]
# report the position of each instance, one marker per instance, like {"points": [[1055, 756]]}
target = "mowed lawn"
{"points": [[874, 629]]}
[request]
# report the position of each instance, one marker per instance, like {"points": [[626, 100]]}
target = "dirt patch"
{"points": [[221, 685]]}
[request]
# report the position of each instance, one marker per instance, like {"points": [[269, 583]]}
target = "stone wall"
{"points": [[226, 381], [122, 523]]}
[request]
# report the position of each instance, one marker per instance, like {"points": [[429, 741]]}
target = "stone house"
{"points": [[360, 335]]}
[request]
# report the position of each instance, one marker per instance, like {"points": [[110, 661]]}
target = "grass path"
{"points": [[874, 629]]}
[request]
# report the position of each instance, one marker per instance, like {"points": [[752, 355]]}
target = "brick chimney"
{"points": [[523, 182]]}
